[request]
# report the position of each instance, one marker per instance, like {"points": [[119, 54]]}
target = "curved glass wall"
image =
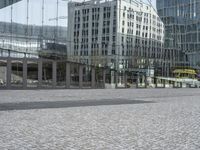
{"points": [[182, 25], [33, 28]]}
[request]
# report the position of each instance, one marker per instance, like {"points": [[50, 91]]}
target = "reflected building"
{"points": [[5, 3], [33, 28], [123, 34], [120, 34], [182, 26]]}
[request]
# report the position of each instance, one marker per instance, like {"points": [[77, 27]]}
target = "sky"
{"points": [[35, 12]]}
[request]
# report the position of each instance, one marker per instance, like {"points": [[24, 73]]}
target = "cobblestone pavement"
{"points": [[140, 119]]}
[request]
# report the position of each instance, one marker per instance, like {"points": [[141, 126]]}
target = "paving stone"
{"points": [[171, 122]]}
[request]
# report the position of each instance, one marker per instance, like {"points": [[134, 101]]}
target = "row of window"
{"points": [[146, 52]]}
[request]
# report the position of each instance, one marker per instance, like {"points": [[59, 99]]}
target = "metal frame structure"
{"points": [[9, 60]]}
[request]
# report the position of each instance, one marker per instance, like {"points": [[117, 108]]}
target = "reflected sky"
{"points": [[152, 1], [35, 12]]}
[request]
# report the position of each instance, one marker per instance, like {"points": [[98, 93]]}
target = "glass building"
{"points": [[33, 28], [182, 26], [4, 3]]}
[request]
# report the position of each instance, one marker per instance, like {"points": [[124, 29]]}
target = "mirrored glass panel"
{"points": [[3, 73], [34, 28], [32, 74], [17, 73]]}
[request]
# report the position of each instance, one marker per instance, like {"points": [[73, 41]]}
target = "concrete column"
{"points": [[142, 80], [190, 85], [145, 81], [104, 77], [68, 75], [112, 73], [187, 85], [125, 79], [137, 81], [156, 81], [174, 84], [181, 85], [25, 73], [54, 73], [80, 76], [93, 78], [164, 83], [116, 78], [39, 72], [9, 70]]}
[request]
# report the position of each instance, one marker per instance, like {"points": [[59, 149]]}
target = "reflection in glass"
{"points": [[32, 74], [87, 76], [61, 74], [99, 77], [74, 75], [34, 28], [17, 74], [3, 73], [47, 74]]}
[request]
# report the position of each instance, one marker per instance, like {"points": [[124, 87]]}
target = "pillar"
{"points": [[181, 84], [145, 81], [112, 73], [164, 83], [174, 84], [116, 74], [54, 73], [40, 72], [156, 82], [68, 75], [104, 77], [9, 70], [93, 78], [80, 76], [125, 79], [25, 73], [137, 81]]}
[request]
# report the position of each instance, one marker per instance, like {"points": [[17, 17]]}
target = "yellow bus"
{"points": [[185, 73]]}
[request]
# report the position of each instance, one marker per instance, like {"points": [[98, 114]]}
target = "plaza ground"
{"points": [[145, 119]]}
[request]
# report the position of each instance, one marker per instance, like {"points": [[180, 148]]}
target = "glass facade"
{"points": [[182, 25], [33, 28]]}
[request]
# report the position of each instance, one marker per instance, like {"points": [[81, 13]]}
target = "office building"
{"points": [[120, 34], [182, 26]]}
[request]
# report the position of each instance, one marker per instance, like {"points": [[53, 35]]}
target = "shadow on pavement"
{"points": [[67, 104]]}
